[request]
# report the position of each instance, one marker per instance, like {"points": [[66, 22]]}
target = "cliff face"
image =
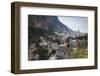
{"points": [[48, 23], [39, 21], [52, 24]]}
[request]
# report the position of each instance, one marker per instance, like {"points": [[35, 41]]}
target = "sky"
{"points": [[75, 23]]}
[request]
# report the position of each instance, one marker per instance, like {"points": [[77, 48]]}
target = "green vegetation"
{"points": [[79, 53], [84, 41], [43, 53]]}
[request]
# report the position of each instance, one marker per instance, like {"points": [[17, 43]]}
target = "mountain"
{"points": [[51, 23], [57, 26], [47, 22]]}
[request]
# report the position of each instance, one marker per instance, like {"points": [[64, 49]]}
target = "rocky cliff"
{"points": [[48, 23], [51, 24]]}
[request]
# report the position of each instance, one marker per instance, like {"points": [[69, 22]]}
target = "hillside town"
{"points": [[49, 39], [53, 49]]}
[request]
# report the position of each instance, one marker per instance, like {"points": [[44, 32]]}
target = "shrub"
{"points": [[79, 53], [43, 53]]}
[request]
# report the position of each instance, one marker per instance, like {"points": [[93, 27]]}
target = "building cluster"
{"points": [[56, 49]]}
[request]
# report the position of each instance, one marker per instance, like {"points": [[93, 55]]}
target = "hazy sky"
{"points": [[75, 23]]}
